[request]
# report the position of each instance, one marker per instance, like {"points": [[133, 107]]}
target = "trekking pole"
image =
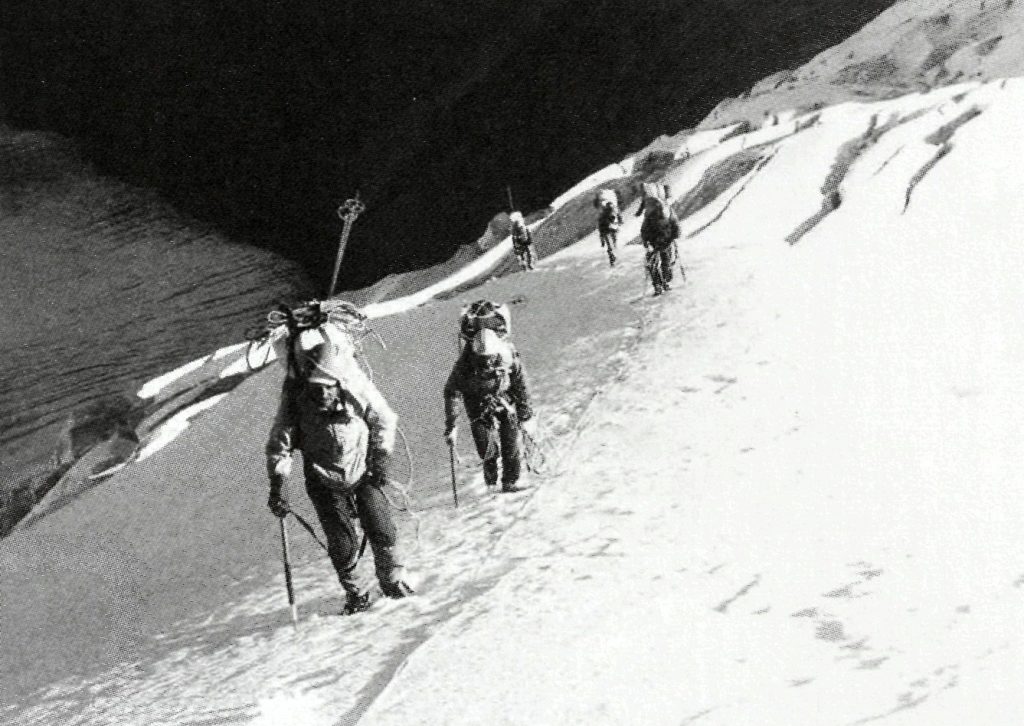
{"points": [[455, 489], [348, 212], [511, 204], [288, 574]]}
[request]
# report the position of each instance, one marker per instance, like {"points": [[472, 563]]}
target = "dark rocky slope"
{"points": [[260, 116]]}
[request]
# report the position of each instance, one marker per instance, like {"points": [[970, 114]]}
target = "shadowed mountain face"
{"points": [[260, 116], [910, 47]]}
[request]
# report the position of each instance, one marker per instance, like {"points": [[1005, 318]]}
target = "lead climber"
{"points": [[333, 413]]}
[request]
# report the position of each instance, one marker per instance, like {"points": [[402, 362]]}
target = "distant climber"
{"points": [[522, 240], [659, 233], [490, 379], [333, 412], [609, 222]]}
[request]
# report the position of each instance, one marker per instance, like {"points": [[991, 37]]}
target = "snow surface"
{"points": [[153, 387], [176, 426], [785, 493]]}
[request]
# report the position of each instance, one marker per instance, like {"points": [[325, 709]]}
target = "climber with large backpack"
{"points": [[333, 413], [659, 232], [489, 378], [522, 240], [609, 221]]}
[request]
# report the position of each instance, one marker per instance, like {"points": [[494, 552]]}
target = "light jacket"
{"points": [[337, 446]]}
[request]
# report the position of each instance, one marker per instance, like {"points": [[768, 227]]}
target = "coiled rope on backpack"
{"points": [[289, 321]]}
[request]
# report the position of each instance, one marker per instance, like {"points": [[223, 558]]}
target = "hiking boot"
{"points": [[657, 291], [397, 590], [511, 487], [666, 287], [356, 603]]}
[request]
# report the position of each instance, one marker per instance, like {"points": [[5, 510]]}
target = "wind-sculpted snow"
{"points": [[784, 493], [940, 138]]}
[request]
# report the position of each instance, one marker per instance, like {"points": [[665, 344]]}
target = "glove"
{"points": [[524, 413], [452, 435], [277, 503], [278, 506]]}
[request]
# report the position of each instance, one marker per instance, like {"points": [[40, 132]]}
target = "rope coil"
{"points": [[285, 322]]}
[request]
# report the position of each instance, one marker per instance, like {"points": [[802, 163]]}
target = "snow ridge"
{"points": [[782, 493]]}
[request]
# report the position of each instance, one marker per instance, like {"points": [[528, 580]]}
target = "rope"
{"points": [[415, 516], [489, 417], [404, 491], [255, 343], [308, 527], [312, 315], [535, 456]]}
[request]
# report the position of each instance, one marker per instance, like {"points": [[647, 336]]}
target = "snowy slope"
{"points": [[783, 494], [914, 45], [824, 526]]}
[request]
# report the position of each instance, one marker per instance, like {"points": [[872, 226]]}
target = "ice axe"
{"points": [[675, 251], [347, 212], [288, 574], [455, 489]]}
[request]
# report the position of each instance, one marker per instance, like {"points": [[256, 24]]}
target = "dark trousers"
{"points": [[499, 440], [609, 240], [525, 255], [338, 512], [659, 264]]}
